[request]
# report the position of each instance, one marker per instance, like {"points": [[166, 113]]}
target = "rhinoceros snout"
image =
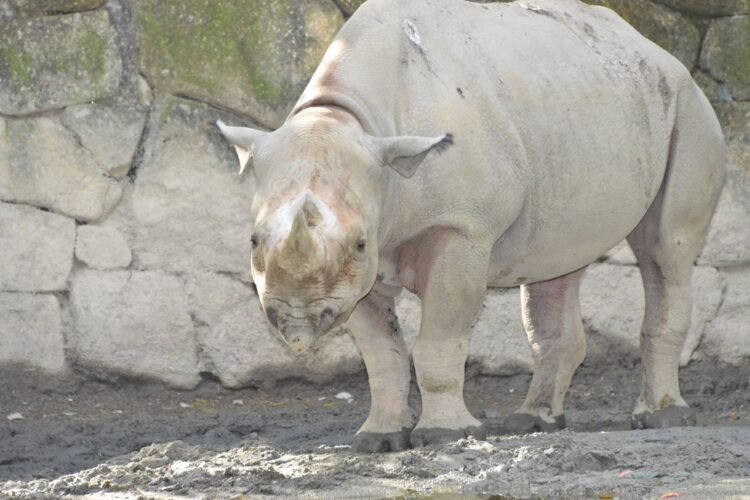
{"points": [[300, 340]]}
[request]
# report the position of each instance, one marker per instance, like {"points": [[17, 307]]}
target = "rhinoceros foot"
{"points": [[671, 416], [437, 435], [526, 423], [377, 442]]}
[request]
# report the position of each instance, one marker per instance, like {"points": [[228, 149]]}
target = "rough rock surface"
{"points": [[42, 164], [728, 241], [135, 324], [36, 249], [726, 54], [497, 342], [612, 305], [109, 130], [52, 62], [711, 8], [667, 28], [727, 336], [56, 6], [102, 248], [252, 56], [244, 351], [30, 331], [191, 211]]}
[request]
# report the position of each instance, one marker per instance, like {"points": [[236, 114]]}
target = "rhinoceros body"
{"points": [[568, 133]]}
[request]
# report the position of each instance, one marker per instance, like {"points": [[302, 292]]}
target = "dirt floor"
{"points": [[85, 439]]}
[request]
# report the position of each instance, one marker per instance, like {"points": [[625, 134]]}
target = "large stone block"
{"points": [[52, 62], [134, 324], [497, 341], [36, 249], [242, 350], [102, 248], [191, 211], [42, 164], [110, 131], [728, 241], [665, 27], [726, 54], [612, 305], [709, 8], [728, 335], [30, 331], [253, 56]]}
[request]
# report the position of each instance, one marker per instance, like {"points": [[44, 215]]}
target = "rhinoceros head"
{"points": [[319, 185]]}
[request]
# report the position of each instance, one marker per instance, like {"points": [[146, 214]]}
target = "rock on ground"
{"points": [[728, 335], [252, 56], [135, 324], [53, 62], [36, 249], [190, 209], [243, 350], [102, 248], [30, 331], [42, 164], [612, 305]]}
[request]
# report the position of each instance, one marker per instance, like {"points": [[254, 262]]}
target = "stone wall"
{"points": [[124, 235]]}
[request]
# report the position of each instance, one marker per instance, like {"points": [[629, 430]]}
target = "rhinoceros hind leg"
{"points": [[375, 442], [671, 416], [666, 243], [436, 435], [524, 423], [552, 319]]}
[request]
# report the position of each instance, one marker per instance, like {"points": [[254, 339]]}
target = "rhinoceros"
{"points": [[444, 147]]}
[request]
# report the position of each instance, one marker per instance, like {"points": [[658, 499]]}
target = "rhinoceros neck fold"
{"points": [[346, 101]]}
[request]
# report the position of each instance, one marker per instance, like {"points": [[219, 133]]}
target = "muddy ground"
{"points": [[89, 439]]}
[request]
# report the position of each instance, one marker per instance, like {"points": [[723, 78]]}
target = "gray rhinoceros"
{"points": [[445, 146]]}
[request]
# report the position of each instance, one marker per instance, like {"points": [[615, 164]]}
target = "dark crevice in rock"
{"points": [[141, 149]]}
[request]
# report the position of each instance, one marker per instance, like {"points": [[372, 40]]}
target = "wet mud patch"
{"points": [[131, 440]]}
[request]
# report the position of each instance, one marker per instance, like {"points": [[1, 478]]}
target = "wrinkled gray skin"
{"points": [[570, 132]]}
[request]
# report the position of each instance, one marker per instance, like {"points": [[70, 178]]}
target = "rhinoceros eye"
{"points": [[253, 242], [361, 245]]}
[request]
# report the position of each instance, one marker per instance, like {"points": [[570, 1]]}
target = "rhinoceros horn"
{"points": [[299, 252]]}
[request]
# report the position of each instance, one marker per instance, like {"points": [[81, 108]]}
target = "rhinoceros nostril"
{"points": [[326, 318]]}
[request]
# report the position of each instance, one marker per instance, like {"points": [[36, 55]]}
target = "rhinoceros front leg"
{"points": [[375, 328], [552, 319], [451, 282]]}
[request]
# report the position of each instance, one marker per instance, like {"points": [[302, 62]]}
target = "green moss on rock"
{"points": [[52, 62], [667, 28], [252, 56], [726, 54]]}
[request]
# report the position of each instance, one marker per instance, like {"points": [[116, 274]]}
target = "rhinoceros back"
{"points": [[563, 101]]}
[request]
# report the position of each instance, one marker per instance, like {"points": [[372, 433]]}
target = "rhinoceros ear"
{"points": [[404, 154], [243, 139]]}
